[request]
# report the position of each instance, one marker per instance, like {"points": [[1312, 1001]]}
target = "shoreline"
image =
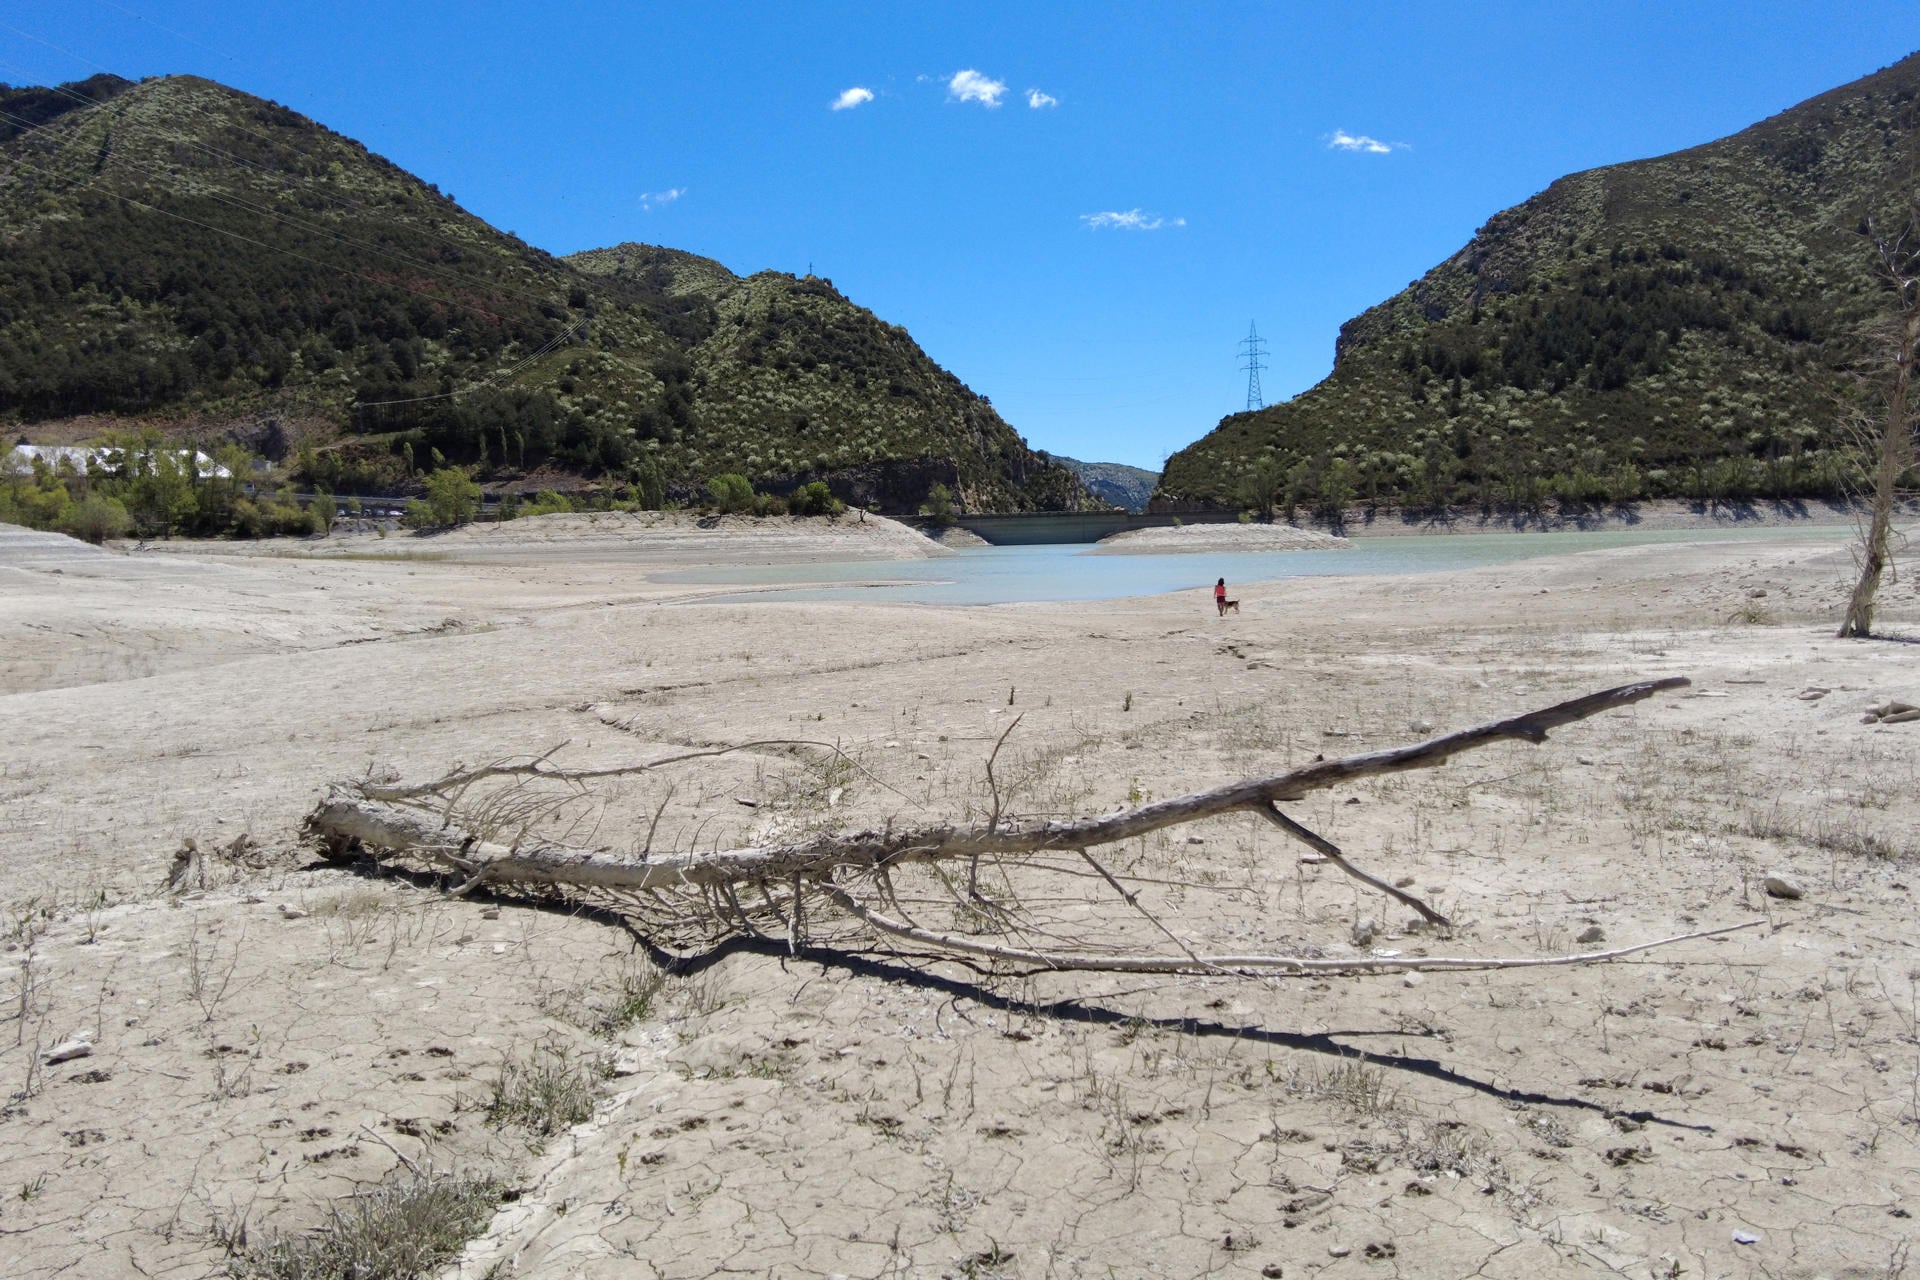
{"points": [[1655, 515]]}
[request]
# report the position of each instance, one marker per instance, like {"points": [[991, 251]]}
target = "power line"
{"points": [[1252, 347]]}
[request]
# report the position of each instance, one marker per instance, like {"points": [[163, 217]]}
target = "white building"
{"points": [[102, 459]]}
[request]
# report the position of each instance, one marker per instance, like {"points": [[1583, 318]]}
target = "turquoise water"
{"points": [[1006, 575]]}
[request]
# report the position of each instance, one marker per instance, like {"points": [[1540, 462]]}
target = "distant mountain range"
{"points": [[1114, 482], [1683, 326], [186, 256]]}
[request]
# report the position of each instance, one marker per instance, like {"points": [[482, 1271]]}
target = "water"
{"points": [[1006, 575]]}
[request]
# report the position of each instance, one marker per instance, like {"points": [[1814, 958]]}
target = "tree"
{"points": [[1259, 489], [939, 506], [452, 497], [161, 495], [1893, 450]]}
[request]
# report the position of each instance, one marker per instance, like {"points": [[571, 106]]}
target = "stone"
{"points": [[1592, 933], [1364, 930], [67, 1051], [1783, 887]]}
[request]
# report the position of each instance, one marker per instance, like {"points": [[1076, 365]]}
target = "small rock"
{"points": [[1364, 930], [1272, 1271], [1404, 882], [1421, 726], [1196, 839], [1745, 1237], [1592, 933], [625, 1062], [1411, 980], [1782, 887], [1338, 1250], [748, 802], [291, 913], [1312, 859], [67, 1052], [491, 913], [1758, 593]]}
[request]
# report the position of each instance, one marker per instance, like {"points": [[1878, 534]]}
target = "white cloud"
{"points": [[852, 98], [971, 86], [1037, 99], [651, 200], [1341, 140], [1129, 220]]}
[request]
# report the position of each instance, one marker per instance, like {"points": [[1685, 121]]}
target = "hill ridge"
{"points": [[1675, 326], [182, 251]]}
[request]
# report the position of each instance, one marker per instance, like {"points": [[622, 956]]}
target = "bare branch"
{"points": [[1250, 964], [700, 886], [1329, 850]]}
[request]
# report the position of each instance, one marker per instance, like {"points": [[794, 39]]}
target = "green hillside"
{"points": [[1683, 326], [185, 256]]}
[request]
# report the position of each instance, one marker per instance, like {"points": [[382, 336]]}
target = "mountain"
{"points": [[1114, 482], [186, 256], [1680, 326]]}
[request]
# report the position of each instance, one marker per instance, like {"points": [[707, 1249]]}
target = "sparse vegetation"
{"points": [[544, 1093], [405, 1229]]}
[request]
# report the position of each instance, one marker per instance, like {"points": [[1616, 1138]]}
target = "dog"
{"points": [[1226, 604]]}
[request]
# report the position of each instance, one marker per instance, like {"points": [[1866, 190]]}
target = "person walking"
{"points": [[1220, 596]]}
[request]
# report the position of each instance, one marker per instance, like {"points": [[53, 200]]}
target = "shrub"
{"points": [[731, 491], [815, 499], [96, 518]]}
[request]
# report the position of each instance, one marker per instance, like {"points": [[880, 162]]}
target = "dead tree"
{"points": [[1891, 447], [793, 889]]}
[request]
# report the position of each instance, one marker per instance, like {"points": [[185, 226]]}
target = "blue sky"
{"points": [[1089, 258]]}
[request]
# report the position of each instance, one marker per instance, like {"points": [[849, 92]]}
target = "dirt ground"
{"points": [[283, 1033]]}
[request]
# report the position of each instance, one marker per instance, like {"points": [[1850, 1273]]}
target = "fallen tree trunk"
{"points": [[423, 823]]}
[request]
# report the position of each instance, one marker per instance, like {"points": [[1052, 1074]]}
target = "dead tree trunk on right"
{"points": [[1894, 448]]}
